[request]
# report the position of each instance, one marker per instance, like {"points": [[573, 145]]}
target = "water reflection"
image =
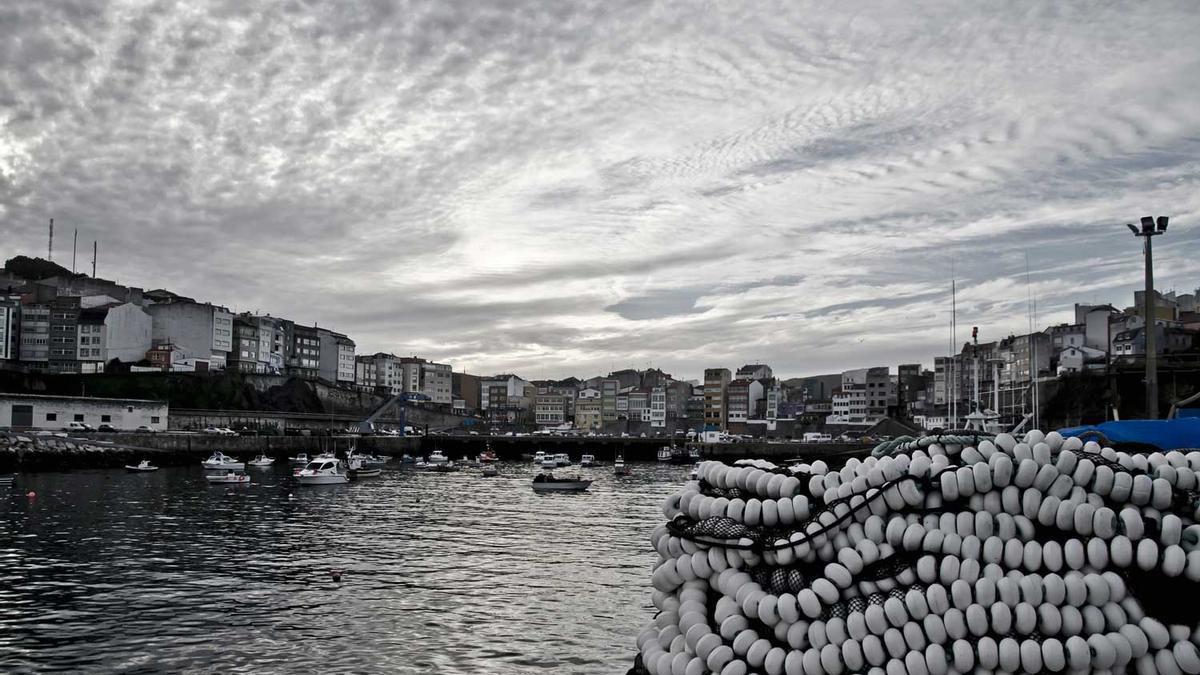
{"points": [[105, 570]]}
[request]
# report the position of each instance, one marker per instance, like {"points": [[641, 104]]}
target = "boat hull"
{"points": [[224, 466], [140, 469], [223, 480], [562, 486], [322, 480], [366, 473]]}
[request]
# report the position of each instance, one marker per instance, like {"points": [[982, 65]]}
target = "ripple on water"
{"points": [[109, 571]]}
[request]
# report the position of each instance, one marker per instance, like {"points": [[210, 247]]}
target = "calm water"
{"points": [[448, 573]]}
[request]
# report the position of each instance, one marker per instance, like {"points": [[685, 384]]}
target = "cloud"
{"points": [[571, 187]]}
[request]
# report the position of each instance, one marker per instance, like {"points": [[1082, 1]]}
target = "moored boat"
{"points": [[143, 466], [490, 471], [587, 460], [562, 459], [664, 454], [619, 467], [261, 460], [547, 482], [539, 457], [230, 477], [326, 471], [219, 461], [301, 459], [487, 456], [437, 457]]}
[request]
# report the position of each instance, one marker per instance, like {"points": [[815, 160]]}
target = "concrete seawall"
{"points": [[51, 453]]}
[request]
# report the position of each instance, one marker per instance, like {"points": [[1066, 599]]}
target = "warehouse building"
{"points": [[32, 411]]}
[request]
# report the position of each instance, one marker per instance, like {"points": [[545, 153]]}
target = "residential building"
{"points": [[411, 368], [588, 413], [121, 332], [695, 407], [741, 400], [466, 387], [638, 405], [364, 372], [776, 397], [258, 344], [1169, 339], [512, 390], [1078, 359], [849, 404], [753, 372], [201, 331], [10, 327], [64, 335], [881, 392], [716, 380], [303, 351], [658, 407], [550, 408], [35, 333], [437, 382], [609, 388], [335, 357]]}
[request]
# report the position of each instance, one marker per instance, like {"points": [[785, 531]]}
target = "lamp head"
{"points": [[1162, 223], [1148, 224], [1132, 229]]}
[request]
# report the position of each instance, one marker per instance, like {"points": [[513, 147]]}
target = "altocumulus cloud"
{"points": [[559, 188]]}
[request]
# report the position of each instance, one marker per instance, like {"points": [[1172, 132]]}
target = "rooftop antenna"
{"points": [[50, 250], [74, 247], [95, 248], [1030, 309]]}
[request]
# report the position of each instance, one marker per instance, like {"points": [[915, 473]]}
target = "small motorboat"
{"points": [[261, 460], [360, 469], [587, 460], [467, 461], [664, 454], [230, 477], [301, 459], [548, 462], [374, 460], [546, 482], [437, 457], [222, 462], [448, 467], [539, 457], [490, 471], [562, 459], [487, 456], [326, 471], [407, 459], [141, 467], [619, 468]]}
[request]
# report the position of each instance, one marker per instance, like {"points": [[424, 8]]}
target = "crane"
{"points": [[367, 426]]}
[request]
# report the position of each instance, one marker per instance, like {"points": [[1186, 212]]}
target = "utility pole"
{"points": [[1148, 231]]}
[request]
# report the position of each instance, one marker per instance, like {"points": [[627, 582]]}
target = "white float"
{"points": [[948, 555]]}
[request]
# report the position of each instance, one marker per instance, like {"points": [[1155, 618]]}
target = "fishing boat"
{"points": [[301, 459], [487, 456], [261, 460], [664, 454], [547, 482], [221, 462], [619, 468], [141, 467], [587, 460], [490, 471], [360, 469], [562, 459], [230, 477], [327, 471]]}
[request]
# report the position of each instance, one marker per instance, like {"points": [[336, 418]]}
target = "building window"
{"points": [[106, 418], [154, 419], [51, 417], [79, 418], [129, 409]]}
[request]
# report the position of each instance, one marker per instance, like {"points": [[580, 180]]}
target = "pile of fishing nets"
{"points": [[941, 555]]}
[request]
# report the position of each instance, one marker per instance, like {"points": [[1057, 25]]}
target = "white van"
{"points": [[816, 437]]}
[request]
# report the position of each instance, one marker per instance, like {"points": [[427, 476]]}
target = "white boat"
{"points": [[374, 460], [229, 477], [407, 459], [619, 468], [695, 474], [220, 462], [562, 459], [467, 461], [436, 457], [141, 467], [490, 470], [587, 460], [539, 457], [301, 459], [326, 471], [261, 460], [359, 468], [546, 482], [664, 454]]}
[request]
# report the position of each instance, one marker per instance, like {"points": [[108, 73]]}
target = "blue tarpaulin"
{"points": [[1176, 434]]}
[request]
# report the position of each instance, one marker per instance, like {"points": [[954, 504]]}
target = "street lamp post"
{"points": [[1150, 229]]}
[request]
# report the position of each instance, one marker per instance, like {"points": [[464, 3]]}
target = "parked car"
{"points": [[79, 426], [143, 429], [108, 428]]}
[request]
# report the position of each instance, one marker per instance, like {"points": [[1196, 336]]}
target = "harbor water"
{"points": [[104, 571]]}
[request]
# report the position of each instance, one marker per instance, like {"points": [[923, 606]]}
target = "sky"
{"points": [[568, 188]]}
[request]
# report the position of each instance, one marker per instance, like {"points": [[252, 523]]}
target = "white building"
{"points": [[658, 407], [28, 411], [345, 360], [202, 332], [848, 403], [120, 332], [514, 388], [10, 348]]}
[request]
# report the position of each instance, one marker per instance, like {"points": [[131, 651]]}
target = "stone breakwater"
{"points": [[1044, 554], [40, 453]]}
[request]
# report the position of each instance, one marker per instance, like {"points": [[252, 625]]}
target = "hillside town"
{"points": [[56, 322]]}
